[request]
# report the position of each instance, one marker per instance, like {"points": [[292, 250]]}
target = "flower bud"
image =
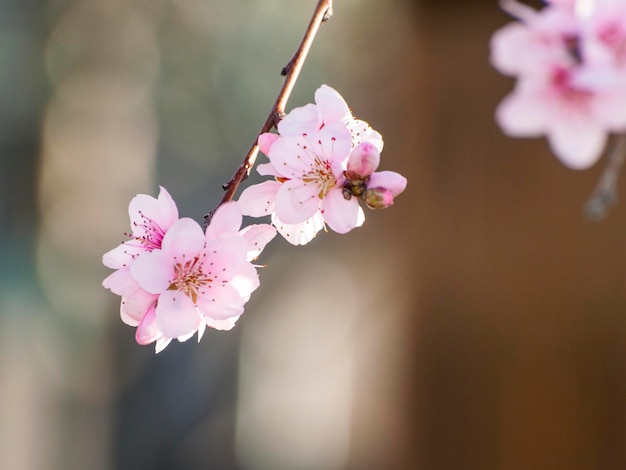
{"points": [[363, 161], [377, 198]]}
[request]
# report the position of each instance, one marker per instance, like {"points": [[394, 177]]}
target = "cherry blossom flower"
{"points": [[209, 276], [562, 91], [150, 219], [316, 176]]}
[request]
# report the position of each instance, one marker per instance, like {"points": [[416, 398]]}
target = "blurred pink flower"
{"points": [[564, 90]]}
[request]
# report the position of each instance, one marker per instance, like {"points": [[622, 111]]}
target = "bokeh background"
{"points": [[480, 323]]}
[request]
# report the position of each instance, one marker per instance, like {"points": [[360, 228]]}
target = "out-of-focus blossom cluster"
{"points": [[569, 59], [176, 279], [323, 161]]}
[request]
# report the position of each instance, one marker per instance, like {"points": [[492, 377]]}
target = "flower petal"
{"points": [[224, 325], [148, 330], [224, 256], [389, 180], [577, 146], [340, 214], [257, 236], [266, 169], [265, 141], [331, 105], [521, 115], [153, 271], [220, 301], [302, 233], [176, 314], [184, 239], [258, 200], [134, 307], [303, 120], [246, 281], [120, 282], [297, 201], [332, 143], [227, 219]]}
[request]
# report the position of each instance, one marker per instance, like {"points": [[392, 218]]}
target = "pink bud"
{"points": [[363, 161], [377, 198]]}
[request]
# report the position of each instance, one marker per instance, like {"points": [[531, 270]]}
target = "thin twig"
{"points": [[605, 194], [323, 12]]}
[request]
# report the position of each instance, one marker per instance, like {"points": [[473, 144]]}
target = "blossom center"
{"points": [[189, 278], [321, 174]]}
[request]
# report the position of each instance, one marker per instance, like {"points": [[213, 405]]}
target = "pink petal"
{"points": [[522, 115], [227, 219], [161, 211], [120, 282], [184, 239], [257, 236], [389, 180], [340, 214], [266, 169], [224, 257], [297, 201], [224, 325], [134, 307], [176, 314], [333, 142], [302, 233], [220, 301], [258, 200], [265, 141], [246, 281], [148, 330], [303, 120], [153, 271], [292, 156], [331, 106], [577, 146], [364, 160], [122, 255]]}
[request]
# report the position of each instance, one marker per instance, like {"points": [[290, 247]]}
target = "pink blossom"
{"points": [[316, 177], [307, 191], [176, 280], [150, 219], [202, 279], [564, 91]]}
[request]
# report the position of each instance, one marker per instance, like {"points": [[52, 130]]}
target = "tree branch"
{"points": [[605, 194], [323, 12]]}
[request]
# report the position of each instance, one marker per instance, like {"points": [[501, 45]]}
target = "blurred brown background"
{"points": [[480, 323]]}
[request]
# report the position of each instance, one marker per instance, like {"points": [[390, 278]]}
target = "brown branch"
{"points": [[323, 12], [605, 194]]}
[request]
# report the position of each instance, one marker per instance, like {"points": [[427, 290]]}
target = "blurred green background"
{"points": [[480, 323]]}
